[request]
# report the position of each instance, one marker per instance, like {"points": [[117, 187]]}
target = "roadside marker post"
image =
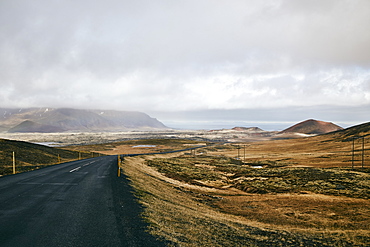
{"points": [[13, 162], [119, 161]]}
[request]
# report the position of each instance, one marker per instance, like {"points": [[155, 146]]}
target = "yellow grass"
{"points": [[194, 215], [202, 201], [319, 151]]}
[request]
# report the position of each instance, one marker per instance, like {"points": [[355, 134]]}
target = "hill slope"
{"points": [[31, 156], [354, 131], [65, 119], [312, 126], [30, 126]]}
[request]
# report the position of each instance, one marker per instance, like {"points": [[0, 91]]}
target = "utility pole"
{"points": [[13, 162], [238, 147], [353, 152], [244, 153], [363, 152]]}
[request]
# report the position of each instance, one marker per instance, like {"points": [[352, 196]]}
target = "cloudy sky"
{"points": [[191, 60]]}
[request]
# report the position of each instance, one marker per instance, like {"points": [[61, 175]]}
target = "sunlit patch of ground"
{"points": [[198, 201], [138, 146], [306, 211], [319, 151], [305, 193]]}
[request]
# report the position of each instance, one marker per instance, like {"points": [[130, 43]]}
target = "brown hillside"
{"points": [[355, 131], [312, 126], [31, 156]]}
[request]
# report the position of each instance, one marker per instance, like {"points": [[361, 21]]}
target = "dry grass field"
{"points": [[291, 192], [305, 194], [318, 151], [199, 207], [137, 146]]}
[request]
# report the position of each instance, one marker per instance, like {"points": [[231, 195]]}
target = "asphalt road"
{"points": [[80, 203]]}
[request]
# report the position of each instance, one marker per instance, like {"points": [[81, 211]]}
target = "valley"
{"points": [[244, 187], [296, 192]]}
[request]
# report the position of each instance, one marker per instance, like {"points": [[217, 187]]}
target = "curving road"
{"points": [[80, 203]]}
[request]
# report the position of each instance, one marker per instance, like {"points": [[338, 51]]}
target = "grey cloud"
{"points": [[277, 118], [153, 55]]}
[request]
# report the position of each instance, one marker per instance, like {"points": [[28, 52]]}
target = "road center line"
{"points": [[30, 183], [76, 169]]}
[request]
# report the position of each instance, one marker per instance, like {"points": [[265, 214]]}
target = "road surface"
{"points": [[80, 203]]}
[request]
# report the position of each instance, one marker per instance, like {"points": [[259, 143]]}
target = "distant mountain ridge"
{"points": [[251, 129], [312, 126], [48, 120], [30, 126]]}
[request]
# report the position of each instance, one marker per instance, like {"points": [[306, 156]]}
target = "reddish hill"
{"points": [[312, 126]]}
